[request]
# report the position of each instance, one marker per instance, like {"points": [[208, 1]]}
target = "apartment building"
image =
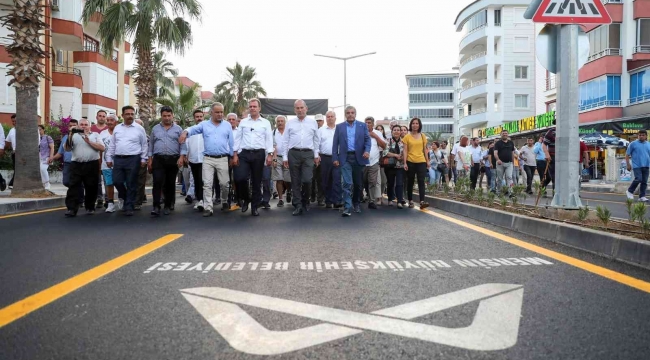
{"points": [[80, 81], [497, 65], [433, 99], [615, 81]]}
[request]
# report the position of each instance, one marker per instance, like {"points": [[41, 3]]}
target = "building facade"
{"points": [[80, 81], [497, 64], [433, 99]]}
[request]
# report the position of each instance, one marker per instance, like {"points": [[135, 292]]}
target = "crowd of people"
{"points": [[304, 160]]}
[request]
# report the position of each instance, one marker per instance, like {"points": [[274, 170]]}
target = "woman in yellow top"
{"points": [[417, 161]]}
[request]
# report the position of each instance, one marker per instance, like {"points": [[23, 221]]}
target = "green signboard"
{"points": [[526, 124]]}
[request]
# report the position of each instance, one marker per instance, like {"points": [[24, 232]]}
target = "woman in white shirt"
{"points": [[438, 164]]}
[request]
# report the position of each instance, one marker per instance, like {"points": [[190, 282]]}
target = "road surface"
{"points": [[383, 284]]}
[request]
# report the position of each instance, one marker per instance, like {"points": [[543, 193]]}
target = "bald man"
{"points": [[301, 145]]}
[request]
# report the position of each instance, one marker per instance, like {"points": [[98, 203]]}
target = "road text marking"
{"points": [[23, 307]]}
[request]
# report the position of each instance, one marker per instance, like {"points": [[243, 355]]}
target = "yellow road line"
{"points": [[31, 213], [595, 269], [23, 307]]}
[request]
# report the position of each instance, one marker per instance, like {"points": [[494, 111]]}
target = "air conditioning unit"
{"points": [[55, 5]]}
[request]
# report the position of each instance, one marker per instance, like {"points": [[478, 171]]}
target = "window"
{"points": [[431, 82], [550, 106], [521, 101], [604, 40], [600, 92], [497, 17], [521, 72], [443, 128], [59, 57], [431, 113], [640, 87], [477, 21], [643, 32], [431, 98], [522, 44]]}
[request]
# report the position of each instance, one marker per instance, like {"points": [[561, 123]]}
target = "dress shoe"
{"points": [[167, 211], [70, 213], [188, 199], [266, 206], [372, 205], [225, 207], [298, 211], [254, 211], [207, 213], [289, 197], [155, 211], [244, 206]]}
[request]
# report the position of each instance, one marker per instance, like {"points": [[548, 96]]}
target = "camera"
{"points": [[76, 131]]}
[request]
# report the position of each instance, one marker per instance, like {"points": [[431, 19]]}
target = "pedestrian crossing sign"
{"points": [[572, 12]]}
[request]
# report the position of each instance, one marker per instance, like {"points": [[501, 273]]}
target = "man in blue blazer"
{"points": [[350, 152]]}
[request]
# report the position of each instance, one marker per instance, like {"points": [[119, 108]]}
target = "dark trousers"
{"points": [[317, 185], [125, 178], [640, 178], [330, 180], [474, 171], [530, 172], [419, 170], [266, 184], [545, 178], [395, 179], [82, 174], [197, 174], [67, 169], [165, 168], [142, 182], [100, 190], [301, 168], [13, 167], [251, 166]]}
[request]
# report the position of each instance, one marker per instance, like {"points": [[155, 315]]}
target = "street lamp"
{"points": [[345, 59]]}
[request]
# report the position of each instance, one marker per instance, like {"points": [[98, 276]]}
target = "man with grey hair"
{"points": [[317, 193], [350, 152], [331, 175], [281, 175], [218, 145], [301, 145], [84, 168]]}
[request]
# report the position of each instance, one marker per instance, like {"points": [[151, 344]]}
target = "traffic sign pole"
{"points": [[567, 140]]}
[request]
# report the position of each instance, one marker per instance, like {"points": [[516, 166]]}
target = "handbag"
{"points": [[442, 167], [389, 162]]}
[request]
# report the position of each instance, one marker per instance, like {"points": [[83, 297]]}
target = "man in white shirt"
{"points": [[530, 162], [477, 156], [301, 145], [10, 144], [107, 173], [371, 173], [330, 174], [317, 193], [254, 143], [194, 158], [462, 156], [281, 175], [84, 168]]}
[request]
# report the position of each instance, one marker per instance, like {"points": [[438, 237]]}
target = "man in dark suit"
{"points": [[350, 152]]}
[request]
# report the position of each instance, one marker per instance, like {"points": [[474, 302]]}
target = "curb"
{"points": [[612, 246], [599, 189], [32, 205]]}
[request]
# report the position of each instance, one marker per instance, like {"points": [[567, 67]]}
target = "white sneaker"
{"points": [[199, 206], [120, 204], [629, 195], [47, 186], [643, 199], [110, 208]]}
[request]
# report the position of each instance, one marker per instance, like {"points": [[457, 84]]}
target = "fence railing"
{"points": [[474, 84], [605, 52], [641, 49], [550, 83], [474, 30], [604, 103], [473, 57], [639, 99], [65, 70]]}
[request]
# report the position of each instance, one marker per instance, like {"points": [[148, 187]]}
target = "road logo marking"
{"points": [[495, 325]]}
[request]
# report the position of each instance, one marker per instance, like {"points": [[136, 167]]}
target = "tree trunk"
{"points": [[27, 182], [146, 84]]}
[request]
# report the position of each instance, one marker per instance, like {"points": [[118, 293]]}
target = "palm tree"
{"points": [[27, 57], [150, 24], [241, 86], [164, 72], [226, 98], [182, 104]]}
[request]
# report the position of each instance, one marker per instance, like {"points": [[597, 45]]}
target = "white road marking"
{"points": [[495, 325]]}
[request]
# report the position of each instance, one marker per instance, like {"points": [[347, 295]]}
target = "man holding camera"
{"points": [[84, 168]]}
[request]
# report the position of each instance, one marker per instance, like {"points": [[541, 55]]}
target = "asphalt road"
{"points": [[383, 284]]}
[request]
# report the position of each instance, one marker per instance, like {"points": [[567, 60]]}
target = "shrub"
{"points": [[603, 214], [583, 213]]}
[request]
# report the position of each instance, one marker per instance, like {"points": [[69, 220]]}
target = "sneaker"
{"points": [[346, 213], [90, 212], [167, 211], [199, 206], [70, 213], [629, 195], [266, 206], [120, 204], [225, 207], [280, 203], [137, 207], [400, 206], [643, 199], [110, 208], [207, 213]]}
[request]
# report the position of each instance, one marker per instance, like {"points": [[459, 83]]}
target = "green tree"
{"points": [[433, 136], [226, 98], [241, 86], [182, 104], [164, 72], [26, 28], [151, 26]]}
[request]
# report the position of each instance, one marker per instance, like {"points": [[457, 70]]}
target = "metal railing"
{"points": [[641, 49], [605, 52], [474, 112], [92, 45], [600, 104], [473, 57], [550, 83], [474, 84], [66, 70], [474, 30], [612, 2], [639, 99]]}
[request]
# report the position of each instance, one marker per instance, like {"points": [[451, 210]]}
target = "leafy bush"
{"points": [[583, 213], [638, 212], [603, 214]]}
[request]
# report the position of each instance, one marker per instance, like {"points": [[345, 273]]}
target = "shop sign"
{"points": [[526, 124], [632, 127]]}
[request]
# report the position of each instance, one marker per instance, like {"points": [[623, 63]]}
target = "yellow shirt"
{"points": [[416, 148]]}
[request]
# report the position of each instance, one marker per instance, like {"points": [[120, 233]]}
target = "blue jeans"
{"points": [[125, 171], [640, 177], [434, 175], [352, 174]]}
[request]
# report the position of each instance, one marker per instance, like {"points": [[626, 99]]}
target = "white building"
{"points": [[433, 99], [497, 64]]}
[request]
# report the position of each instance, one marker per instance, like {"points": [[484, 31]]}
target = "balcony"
{"points": [[475, 36], [600, 104], [65, 76], [472, 90], [92, 53], [474, 118], [606, 52], [550, 83], [472, 62], [67, 35], [639, 99]]}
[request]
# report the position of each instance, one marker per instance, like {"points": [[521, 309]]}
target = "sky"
{"points": [[279, 38]]}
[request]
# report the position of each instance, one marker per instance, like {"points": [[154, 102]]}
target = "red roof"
{"points": [[184, 80], [206, 95]]}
